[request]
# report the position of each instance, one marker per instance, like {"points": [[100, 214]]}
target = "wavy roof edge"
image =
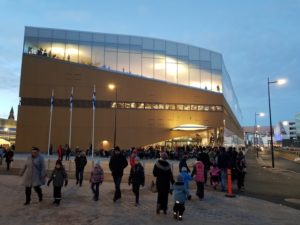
{"points": [[127, 35]]}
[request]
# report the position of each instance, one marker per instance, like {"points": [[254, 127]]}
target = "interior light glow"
{"points": [[190, 127]]}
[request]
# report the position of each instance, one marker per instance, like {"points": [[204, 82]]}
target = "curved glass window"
{"points": [[150, 58]]}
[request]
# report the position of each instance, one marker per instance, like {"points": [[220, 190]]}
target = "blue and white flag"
{"points": [[52, 101], [94, 99], [71, 100]]}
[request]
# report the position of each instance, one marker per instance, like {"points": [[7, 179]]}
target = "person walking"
{"points": [[34, 172], [117, 164], [68, 152], [198, 172], [80, 163], [164, 178], [223, 164], [9, 155], [59, 153], [59, 178], [183, 163], [241, 171], [214, 175], [186, 179], [136, 178], [97, 177], [179, 192], [2, 154], [132, 157]]}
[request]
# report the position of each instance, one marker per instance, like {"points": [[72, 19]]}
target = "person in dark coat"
{"points": [[223, 164], [136, 178], [9, 158], [117, 164], [59, 178], [241, 171], [68, 152], [183, 163], [80, 162], [204, 157], [164, 178]]}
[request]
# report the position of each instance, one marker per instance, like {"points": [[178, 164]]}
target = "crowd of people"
{"points": [[210, 163]]}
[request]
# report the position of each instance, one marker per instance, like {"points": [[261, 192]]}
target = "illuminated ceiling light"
{"points": [[190, 127]]}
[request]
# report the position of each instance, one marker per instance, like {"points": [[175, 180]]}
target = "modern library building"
{"points": [[82, 89]]}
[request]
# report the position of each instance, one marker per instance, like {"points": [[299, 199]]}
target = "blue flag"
{"points": [[71, 100], [94, 99], [52, 101]]}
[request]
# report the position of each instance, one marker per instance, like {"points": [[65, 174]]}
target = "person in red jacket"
{"points": [[198, 172], [132, 158], [59, 153]]}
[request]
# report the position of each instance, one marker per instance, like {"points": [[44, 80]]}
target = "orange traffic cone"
{"points": [[229, 184]]}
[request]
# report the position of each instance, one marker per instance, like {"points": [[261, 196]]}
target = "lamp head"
{"points": [[281, 81], [111, 86]]}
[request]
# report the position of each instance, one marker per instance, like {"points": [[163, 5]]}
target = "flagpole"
{"points": [[71, 113], [93, 131], [50, 122]]}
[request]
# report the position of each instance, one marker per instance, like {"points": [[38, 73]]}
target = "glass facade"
{"points": [[138, 56]]}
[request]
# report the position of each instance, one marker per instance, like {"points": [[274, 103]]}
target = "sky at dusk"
{"points": [[256, 38]]}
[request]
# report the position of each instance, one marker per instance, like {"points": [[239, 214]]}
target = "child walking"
{"points": [[59, 178], [198, 171], [97, 177], [214, 175], [136, 178], [186, 179], [180, 194]]}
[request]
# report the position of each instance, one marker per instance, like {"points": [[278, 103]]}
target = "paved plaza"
{"points": [[77, 207]]}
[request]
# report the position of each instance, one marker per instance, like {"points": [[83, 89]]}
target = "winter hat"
{"points": [[184, 169], [163, 155], [179, 178]]}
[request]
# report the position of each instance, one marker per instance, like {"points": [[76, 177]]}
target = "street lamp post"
{"points": [[255, 131], [279, 82], [113, 87]]}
